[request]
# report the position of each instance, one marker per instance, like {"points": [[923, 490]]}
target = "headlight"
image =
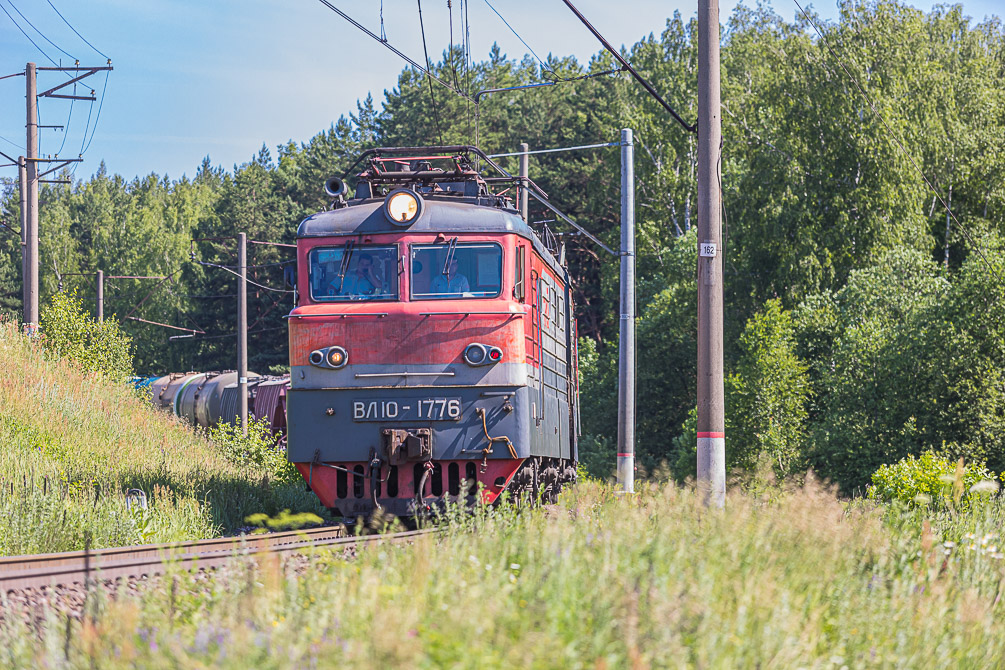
{"points": [[476, 354], [402, 207]]}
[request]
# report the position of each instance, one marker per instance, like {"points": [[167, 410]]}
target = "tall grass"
{"points": [[654, 581], [72, 445]]}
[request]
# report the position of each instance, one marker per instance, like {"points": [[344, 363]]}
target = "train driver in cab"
{"points": [[362, 282], [450, 282]]}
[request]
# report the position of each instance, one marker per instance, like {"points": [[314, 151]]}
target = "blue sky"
{"points": [[221, 77]]}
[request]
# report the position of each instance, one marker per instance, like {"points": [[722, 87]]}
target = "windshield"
{"points": [[354, 272], [452, 270]]}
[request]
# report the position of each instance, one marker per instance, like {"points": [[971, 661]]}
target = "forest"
{"points": [[863, 322]]}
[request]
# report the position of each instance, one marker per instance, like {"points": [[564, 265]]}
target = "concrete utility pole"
{"points": [[31, 202], [22, 177], [524, 174], [626, 348], [242, 329], [711, 405], [101, 295]]}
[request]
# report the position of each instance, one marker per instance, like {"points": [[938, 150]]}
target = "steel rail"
{"points": [[75, 567]]}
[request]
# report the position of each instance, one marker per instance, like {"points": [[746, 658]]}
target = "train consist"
{"points": [[432, 345], [209, 398]]}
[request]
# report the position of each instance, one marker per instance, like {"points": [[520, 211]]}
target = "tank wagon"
{"points": [[432, 346], [208, 398]]}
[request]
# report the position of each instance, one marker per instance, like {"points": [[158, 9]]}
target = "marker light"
{"points": [[337, 357], [495, 354], [402, 207], [329, 357]]}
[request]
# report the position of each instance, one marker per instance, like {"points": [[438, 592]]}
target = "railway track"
{"points": [[76, 567]]}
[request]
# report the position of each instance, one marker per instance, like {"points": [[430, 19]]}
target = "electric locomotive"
{"points": [[432, 346]]}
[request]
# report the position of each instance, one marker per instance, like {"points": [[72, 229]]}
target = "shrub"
{"points": [[931, 478], [767, 395], [258, 448], [94, 346]]}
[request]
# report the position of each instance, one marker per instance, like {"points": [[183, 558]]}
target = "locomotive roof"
{"points": [[450, 217]]}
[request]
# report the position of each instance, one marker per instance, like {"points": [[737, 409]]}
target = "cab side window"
{"points": [[520, 272]]}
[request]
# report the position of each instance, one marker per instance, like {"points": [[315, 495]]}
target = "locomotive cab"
{"points": [[432, 349]]}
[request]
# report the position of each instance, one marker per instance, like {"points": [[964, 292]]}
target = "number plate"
{"points": [[412, 409]]}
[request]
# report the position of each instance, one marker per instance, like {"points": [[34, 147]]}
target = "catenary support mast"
{"points": [[524, 174], [626, 348], [242, 329], [31, 201], [711, 406]]}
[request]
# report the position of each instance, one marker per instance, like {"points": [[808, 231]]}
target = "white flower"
{"points": [[984, 486]]}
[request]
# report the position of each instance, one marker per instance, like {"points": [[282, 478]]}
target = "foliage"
{"points": [[931, 479], [74, 444], [767, 395], [94, 346], [257, 450], [799, 580], [285, 520], [913, 361], [894, 313]]}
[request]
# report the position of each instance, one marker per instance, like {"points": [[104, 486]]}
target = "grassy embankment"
{"points": [[803, 580], [71, 445]]}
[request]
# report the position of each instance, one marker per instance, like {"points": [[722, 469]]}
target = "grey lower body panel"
{"points": [[346, 425]]}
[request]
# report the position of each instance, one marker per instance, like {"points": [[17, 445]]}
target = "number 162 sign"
{"points": [[706, 249]]}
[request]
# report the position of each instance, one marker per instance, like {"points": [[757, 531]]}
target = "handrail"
{"points": [[379, 315]]}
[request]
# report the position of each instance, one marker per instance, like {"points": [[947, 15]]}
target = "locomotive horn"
{"points": [[335, 187]]}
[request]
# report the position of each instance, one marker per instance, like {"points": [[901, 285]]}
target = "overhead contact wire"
{"points": [[544, 66], [391, 47], [75, 30], [425, 53], [18, 25], [10, 2], [692, 128]]}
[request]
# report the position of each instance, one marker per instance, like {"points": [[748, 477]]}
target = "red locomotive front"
{"points": [[431, 351]]}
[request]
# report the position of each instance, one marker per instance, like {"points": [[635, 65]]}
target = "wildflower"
{"points": [[985, 486], [948, 545]]}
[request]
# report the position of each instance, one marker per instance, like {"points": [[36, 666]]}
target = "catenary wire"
{"points": [[391, 47], [11, 3], [234, 334], [238, 274], [450, 20], [429, 67], [18, 25], [66, 127], [898, 142], [544, 66], [11, 142], [97, 116], [693, 128], [75, 30]]}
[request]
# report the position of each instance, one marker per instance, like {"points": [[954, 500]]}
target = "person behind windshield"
{"points": [[451, 282], [362, 282]]}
